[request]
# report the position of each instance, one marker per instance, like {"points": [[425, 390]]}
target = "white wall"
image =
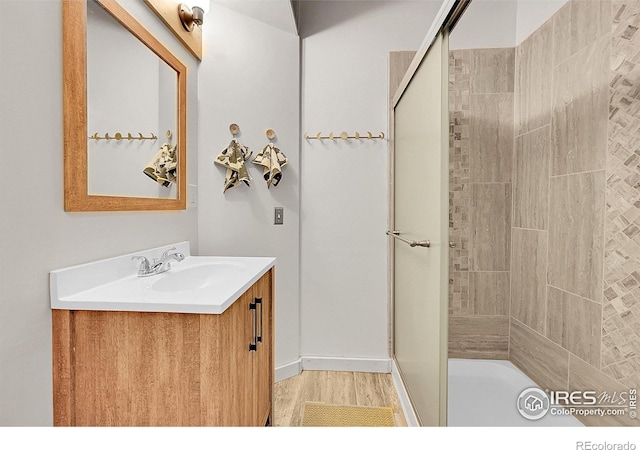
{"points": [[36, 235], [344, 184], [532, 14], [486, 24], [250, 76], [501, 23]]}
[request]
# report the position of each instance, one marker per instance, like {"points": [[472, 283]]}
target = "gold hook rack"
{"points": [[120, 136], [344, 136]]}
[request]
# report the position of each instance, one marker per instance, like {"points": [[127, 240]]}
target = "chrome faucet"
{"points": [[148, 269], [164, 263], [145, 266]]}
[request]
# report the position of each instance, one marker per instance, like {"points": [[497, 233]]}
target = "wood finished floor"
{"points": [[340, 388]]}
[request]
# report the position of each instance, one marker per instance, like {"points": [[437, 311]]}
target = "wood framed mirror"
{"points": [[120, 147]]}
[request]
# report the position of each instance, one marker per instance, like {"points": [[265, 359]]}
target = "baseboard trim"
{"points": [[293, 368], [288, 370], [346, 364], [407, 409]]}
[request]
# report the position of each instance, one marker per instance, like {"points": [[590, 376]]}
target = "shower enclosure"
{"points": [[420, 186], [544, 196]]}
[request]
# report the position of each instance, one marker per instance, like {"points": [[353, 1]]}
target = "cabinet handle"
{"points": [[258, 301], [254, 323]]}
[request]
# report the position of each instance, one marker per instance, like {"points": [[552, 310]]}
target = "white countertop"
{"points": [[198, 284]]}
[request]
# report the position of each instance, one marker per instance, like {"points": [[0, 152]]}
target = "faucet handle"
{"points": [[145, 265], [166, 253]]}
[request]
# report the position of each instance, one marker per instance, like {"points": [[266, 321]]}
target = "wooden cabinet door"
{"points": [[226, 365], [134, 369], [263, 357]]}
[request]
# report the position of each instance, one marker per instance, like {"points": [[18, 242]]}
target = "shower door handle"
{"points": [[396, 234]]}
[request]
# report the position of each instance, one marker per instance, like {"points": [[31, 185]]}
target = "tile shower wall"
{"points": [[481, 88], [621, 301], [546, 268], [576, 202]]}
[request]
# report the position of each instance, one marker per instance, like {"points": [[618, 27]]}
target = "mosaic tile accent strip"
{"points": [[621, 300], [459, 94]]}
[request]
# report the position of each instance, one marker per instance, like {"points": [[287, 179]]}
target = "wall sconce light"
{"points": [[190, 17]]}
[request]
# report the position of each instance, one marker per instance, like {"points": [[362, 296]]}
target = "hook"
{"points": [[120, 136], [270, 134]]}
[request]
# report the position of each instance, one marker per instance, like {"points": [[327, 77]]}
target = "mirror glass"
{"points": [[124, 113], [131, 112]]}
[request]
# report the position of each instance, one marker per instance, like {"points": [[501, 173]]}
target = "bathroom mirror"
{"points": [[124, 113]]}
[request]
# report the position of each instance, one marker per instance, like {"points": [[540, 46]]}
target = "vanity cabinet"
{"points": [[122, 368]]}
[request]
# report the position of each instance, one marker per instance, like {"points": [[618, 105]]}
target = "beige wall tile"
{"points": [[531, 179], [575, 323], [576, 230], [621, 308], [490, 226], [484, 337], [492, 70], [542, 360], [578, 24], [533, 80], [459, 293], [580, 110], [562, 34], [626, 372], [585, 377], [491, 137], [489, 293], [589, 21], [398, 64], [529, 277]]}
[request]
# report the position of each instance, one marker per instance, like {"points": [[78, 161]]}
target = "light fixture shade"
{"points": [[202, 4]]}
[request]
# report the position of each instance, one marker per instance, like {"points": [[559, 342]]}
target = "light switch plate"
{"points": [[278, 217], [192, 196]]}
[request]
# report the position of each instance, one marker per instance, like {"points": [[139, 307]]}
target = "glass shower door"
{"points": [[421, 222]]}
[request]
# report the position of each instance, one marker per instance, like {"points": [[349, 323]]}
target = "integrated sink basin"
{"points": [[202, 276], [198, 284]]}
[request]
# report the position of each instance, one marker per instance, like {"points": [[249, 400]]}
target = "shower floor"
{"points": [[484, 393]]}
